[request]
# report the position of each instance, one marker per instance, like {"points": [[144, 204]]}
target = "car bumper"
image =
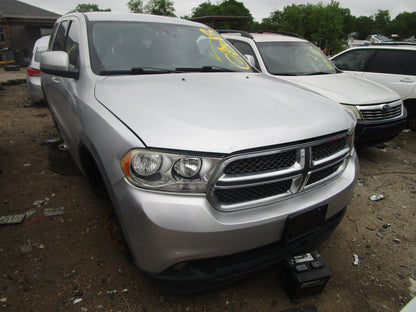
{"points": [[163, 229], [34, 88], [371, 133]]}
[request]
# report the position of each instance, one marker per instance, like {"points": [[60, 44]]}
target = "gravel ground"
{"points": [[68, 262]]}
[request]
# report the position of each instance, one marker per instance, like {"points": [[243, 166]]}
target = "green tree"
{"points": [[382, 22], [90, 7], [206, 9], [364, 26], [225, 8], [160, 7], [404, 25], [135, 6]]}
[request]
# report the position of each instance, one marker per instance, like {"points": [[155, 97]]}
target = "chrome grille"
{"points": [[382, 111], [248, 180]]}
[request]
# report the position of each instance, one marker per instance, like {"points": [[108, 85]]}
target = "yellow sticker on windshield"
{"points": [[317, 54], [218, 43]]}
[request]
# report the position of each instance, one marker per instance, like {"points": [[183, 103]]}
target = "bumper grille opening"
{"points": [[250, 193]]}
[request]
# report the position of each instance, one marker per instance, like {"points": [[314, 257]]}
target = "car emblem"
{"points": [[385, 108]]}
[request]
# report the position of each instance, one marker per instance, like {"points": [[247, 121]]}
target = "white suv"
{"points": [[378, 109], [391, 64]]}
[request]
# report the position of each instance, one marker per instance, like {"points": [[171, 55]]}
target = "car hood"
{"points": [[218, 112], [346, 88]]}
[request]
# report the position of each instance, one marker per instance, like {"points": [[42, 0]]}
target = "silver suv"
{"points": [[379, 110], [392, 64], [214, 170]]}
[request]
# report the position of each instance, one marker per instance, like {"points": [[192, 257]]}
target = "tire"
{"points": [[60, 159]]}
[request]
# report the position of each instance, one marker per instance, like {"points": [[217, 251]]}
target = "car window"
{"points": [[354, 60], [59, 42], [294, 59], [245, 48], [399, 62], [123, 46], [72, 45]]}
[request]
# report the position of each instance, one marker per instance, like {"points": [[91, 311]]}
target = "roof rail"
{"points": [[77, 11], [286, 33], [387, 43], [232, 31]]}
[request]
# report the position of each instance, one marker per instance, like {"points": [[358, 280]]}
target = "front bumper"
{"points": [[163, 229]]}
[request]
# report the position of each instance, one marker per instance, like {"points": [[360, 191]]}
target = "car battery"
{"points": [[305, 275]]}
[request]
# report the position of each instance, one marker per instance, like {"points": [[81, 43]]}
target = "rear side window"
{"points": [[354, 60], [399, 62]]}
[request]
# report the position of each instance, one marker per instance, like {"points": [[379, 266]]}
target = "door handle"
{"points": [[407, 80], [56, 80]]}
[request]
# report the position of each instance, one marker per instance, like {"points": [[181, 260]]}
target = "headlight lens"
{"points": [[352, 109], [168, 171]]}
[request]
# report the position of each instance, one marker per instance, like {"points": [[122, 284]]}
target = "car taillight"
{"points": [[33, 72]]}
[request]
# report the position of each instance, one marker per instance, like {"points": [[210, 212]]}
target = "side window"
{"points": [[59, 40], [354, 60], [245, 48], [393, 62], [72, 45]]}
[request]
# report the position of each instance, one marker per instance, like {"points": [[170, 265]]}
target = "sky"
{"points": [[259, 9]]}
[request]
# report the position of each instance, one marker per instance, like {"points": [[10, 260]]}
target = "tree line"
{"points": [[314, 22]]}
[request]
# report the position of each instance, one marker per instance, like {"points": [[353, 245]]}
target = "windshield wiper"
{"points": [[317, 73], [204, 69], [138, 71]]}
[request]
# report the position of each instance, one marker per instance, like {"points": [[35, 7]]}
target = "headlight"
{"points": [[168, 171], [352, 109]]}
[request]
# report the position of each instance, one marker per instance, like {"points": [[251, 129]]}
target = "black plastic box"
{"points": [[305, 275]]}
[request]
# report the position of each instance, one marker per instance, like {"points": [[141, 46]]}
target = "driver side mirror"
{"points": [[250, 59], [57, 63]]}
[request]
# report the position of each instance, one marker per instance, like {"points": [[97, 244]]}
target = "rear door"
{"points": [[394, 68]]}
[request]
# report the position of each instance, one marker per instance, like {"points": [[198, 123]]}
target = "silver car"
{"points": [[214, 170], [33, 82]]}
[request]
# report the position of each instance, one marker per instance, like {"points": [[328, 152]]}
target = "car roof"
{"points": [[267, 37], [42, 41], [389, 46], [133, 17]]}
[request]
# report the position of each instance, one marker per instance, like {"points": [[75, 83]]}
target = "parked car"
{"points": [[33, 82], [214, 170], [378, 109], [391, 64]]}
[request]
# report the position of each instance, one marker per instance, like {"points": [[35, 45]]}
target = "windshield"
{"points": [[143, 48], [295, 59]]}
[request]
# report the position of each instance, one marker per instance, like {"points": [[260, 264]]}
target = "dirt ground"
{"points": [[68, 263]]}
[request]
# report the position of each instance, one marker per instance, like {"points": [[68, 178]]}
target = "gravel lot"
{"points": [[68, 262]]}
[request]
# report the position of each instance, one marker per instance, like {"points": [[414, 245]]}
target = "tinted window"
{"points": [[354, 60], [245, 48], [393, 62], [59, 42]]}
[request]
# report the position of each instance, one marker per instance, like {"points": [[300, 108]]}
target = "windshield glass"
{"points": [[141, 48], [295, 59]]}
